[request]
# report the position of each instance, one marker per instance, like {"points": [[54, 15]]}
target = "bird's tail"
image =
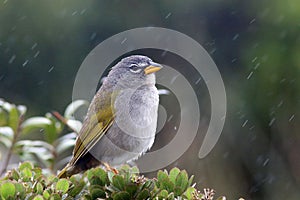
{"points": [[68, 171]]}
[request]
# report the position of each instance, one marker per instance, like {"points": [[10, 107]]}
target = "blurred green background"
{"points": [[255, 44]]}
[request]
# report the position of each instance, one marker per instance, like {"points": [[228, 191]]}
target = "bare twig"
{"points": [[58, 116], [10, 151]]}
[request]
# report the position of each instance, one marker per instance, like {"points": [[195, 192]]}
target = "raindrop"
{"points": [[199, 79], [168, 15], [256, 66], [173, 79], [175, 128], [272, 121], [51, 69], [291, 118], [82, 12], [280, 104], [169, 119], [25, 63], [123, 40], [36, 54], [233, 60], [74, 13], [266, 162], [249, 76], [33, 46], [1, 77], [254, 59], [253, 20], [235, 36], [244, 124], [11, 60], [93, 36]]}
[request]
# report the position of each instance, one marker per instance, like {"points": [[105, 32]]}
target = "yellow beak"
{"points": [[153, 67]]}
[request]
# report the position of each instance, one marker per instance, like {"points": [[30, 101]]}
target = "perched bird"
{"points": [[121, 121]]}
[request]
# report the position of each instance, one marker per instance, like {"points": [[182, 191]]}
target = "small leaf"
{"points": [[73, 107], [163, 194], [97, 192], [46, 194], [173, 174], [118, 182], [144, 194], [189, 193], [24, 165], [76, 189], [182, 180], [26, 174], [161, 176], [13, 118], [20, 191], [121, 196], [3, 117], [131, 189], [7, 190], [35, 123], [55, 196], [191, 180], [38, 197], [62, 185]]}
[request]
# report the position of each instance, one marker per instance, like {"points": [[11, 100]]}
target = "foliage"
{"points": [[29, 182], [45, 151]]}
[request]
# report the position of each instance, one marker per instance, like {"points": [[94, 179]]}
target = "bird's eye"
{"points": [[135, 68]]}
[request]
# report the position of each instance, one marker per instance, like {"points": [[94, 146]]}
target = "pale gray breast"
{"points": [[133, 130]]}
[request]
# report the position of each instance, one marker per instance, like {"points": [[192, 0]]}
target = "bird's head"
{"points": [[134, 71]]}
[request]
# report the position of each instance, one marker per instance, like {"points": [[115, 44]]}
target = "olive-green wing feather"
{"points": [[94, 127]]}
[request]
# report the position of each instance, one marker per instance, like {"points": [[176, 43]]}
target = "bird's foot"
{"points": [[109, 168]]}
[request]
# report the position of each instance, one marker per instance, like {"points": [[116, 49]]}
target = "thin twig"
{"points": [[11, 148], [58, 116]]}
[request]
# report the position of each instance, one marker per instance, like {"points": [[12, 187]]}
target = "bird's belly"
{"points": [[133, 130]]}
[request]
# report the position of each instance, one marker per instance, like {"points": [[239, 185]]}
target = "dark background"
{"points": [[255, 45]]}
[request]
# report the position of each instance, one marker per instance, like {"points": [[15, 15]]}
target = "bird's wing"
{"points": [[94, 127]]}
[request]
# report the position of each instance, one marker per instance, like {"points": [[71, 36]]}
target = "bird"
{"points": [[121, 120]]}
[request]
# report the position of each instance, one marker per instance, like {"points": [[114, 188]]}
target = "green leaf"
{"points": [[62, 185], [24, 165], [161, 176], [3, 117], [121, 196], [97, 192], [182, 180], [173, 174], [26, 174], [39, 188], [144, 194], [118, 181], [131, 189], [73, 107], [38, 197], [55, 196], [163, 194], [13, 118], [76, 189], [35, 123], [20, 191], [167, 185], [191, 180], [7, 190], [46, 194], [102, 175]]}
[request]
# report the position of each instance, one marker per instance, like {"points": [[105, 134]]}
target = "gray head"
{"points": [[134, 71]]}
